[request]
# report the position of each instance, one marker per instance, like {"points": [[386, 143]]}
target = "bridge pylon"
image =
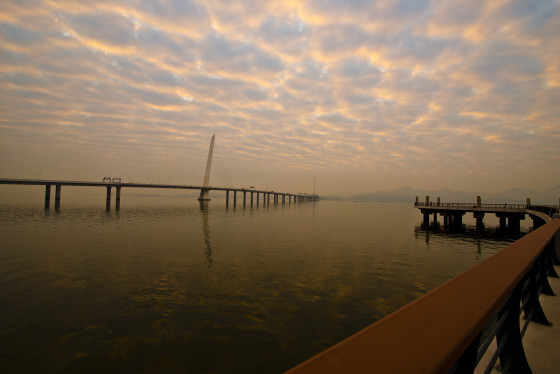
{"points": [[204, 193]]}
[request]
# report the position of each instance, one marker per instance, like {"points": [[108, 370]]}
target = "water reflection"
{"points": [[206, 232], [132, 291], [436, 230]]}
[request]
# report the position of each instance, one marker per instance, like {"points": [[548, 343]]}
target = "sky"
{"points": [[345, 96]]}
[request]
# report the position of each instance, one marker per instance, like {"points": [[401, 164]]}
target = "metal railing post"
{"points": [[512, 355]]}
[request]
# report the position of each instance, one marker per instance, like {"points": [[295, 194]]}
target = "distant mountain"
{"points": [[407, 194]]}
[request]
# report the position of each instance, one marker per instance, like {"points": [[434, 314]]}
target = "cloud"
{"points": [[378, 90]]}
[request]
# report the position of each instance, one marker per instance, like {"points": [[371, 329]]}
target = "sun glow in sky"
{"points": [[361, 95]]}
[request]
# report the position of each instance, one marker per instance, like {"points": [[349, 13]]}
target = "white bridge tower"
{"points": [[204, 193]]}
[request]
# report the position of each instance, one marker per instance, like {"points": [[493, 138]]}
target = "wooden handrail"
{"points": [[430, 334]]}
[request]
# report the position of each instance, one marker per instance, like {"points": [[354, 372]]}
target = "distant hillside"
{"points": [[407, 194]]}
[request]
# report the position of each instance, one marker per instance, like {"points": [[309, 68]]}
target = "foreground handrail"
{"points": [[442, 330]]}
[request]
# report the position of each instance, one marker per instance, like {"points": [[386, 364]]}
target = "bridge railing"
{"points": [[472, 205], [549, 210], [450, 328]]}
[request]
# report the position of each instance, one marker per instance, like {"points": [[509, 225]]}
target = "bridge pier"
{"points": [[537, 222], [47, 196], [503, 223], [57, 193], [204, 195], [513, 221], [479, 216], [426, 218], [234, 199], [283, 199], [251, 198], [510, 215], [108, 204], [227, 199], [118, 199], [458, 218], [245, 198]]}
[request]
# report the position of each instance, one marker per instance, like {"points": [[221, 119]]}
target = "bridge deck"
{"points": [[490, 208], [487, 208], [43, 182]]}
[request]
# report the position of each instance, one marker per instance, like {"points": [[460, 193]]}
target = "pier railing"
{"points": [[472, 205], [450, 328]]}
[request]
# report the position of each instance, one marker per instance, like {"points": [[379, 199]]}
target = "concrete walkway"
{"points": [[541, 343]]}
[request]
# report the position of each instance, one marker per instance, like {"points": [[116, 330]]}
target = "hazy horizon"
{"points": [[357, 95]]}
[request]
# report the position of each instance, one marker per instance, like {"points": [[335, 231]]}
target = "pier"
{"points": [[510, 215]]}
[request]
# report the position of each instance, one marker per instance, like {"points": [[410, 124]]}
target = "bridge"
{"points": [[248, 194], [205, 188], [510, 215]]}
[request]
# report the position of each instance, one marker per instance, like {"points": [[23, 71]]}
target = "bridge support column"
{"points": [[234, 199], [57, 193], [251, 198], [479, 216], [283, 199], [204, 195], [245, 198], [108, 204], [435, 217], [502, 218], [257, 198], [514, 223], [47, 196], [426, 215], [458, 218], [118, 199], [227, 199], [537, 222]]}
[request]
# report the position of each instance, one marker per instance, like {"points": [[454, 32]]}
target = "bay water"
{"points": [[166, 285]]}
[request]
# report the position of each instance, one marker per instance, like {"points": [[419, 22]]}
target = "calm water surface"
{"points": [[165, 287]]}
